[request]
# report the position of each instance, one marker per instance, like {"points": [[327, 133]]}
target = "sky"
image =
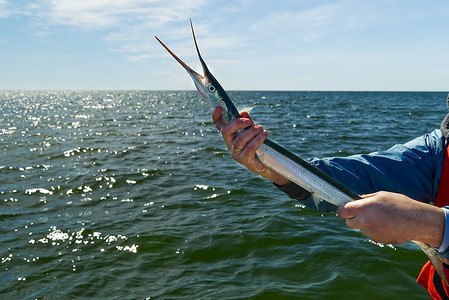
{"points": [[360, 45]]}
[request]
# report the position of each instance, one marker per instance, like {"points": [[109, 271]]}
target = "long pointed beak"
{"points": [[201, 81], [206, 84], [203, 64], [189, 70]]}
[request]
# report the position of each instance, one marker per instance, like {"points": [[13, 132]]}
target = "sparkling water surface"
{"points": [[133, 195]]}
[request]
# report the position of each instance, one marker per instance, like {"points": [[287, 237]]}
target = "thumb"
{"points": [[348, 210], [216, 115]]}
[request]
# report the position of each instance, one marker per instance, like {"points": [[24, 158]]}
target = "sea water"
{"points": [[133, 195]]}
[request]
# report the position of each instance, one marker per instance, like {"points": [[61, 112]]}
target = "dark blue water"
{"points": [[133, 195]]}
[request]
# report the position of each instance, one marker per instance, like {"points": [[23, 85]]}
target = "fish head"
{"points": [[207, 85]]}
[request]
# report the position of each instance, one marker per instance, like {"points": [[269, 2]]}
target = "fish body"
{"points": [[321, 186]]}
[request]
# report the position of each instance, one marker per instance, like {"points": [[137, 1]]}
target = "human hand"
{"points": [[243, 146], [393, 218]]}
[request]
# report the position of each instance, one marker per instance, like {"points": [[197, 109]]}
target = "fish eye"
{"points": [[211, 89]]}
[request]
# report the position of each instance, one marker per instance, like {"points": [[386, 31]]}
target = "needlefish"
{"points": [[321, 186]]}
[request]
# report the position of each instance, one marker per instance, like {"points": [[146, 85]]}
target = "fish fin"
{"points": [[248, 109], [435, 259]]}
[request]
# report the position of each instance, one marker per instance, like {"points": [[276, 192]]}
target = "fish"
{"points": [[272, 155], [321, 186]]}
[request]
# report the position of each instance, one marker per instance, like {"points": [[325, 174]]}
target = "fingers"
{"points": [[348, 210], [231, 127], [217, 114], [245, 139], [355, 212], [244, 145], [248, 142], [228, 130], [368, 195], [245, 114], [353, 223]]}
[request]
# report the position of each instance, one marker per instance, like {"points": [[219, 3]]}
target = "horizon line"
{"points": [[229, 90]]}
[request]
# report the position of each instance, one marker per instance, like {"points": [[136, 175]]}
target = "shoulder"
{"points": [[433, 140], [430, 146]]}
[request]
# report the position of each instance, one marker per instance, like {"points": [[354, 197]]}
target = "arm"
{"points": [[412, 169]]}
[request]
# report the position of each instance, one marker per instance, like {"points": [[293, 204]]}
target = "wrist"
{"points": [[444, 247], [273, 176], [431, 227], [280, 180]]}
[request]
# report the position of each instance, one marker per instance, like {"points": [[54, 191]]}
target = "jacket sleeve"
{"points": [[412, 169]]}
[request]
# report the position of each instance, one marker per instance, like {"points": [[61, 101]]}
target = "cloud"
{"points": [[139, 58], [4, 11], [319, 21], [128, 25], [306, 24], [101, 14]]}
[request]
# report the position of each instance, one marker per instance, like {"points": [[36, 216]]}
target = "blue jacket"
{"points": [[413, 169]]}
